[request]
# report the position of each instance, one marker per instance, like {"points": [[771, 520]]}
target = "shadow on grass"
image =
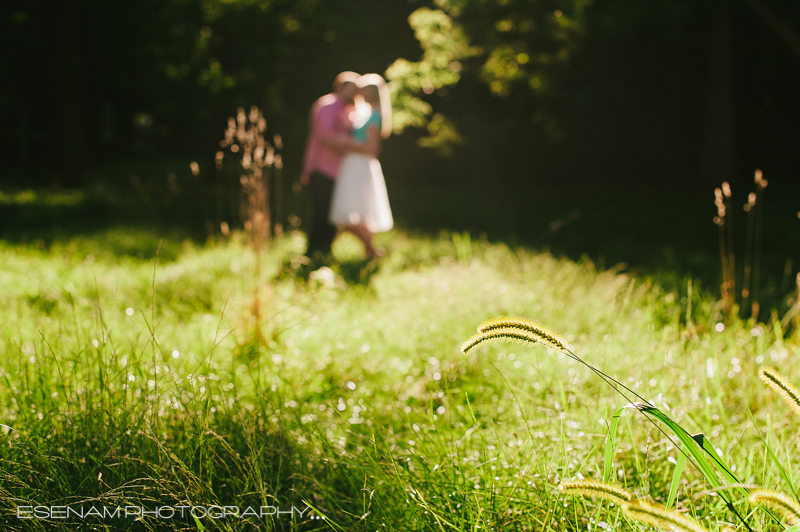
{"points": [[353, 273], [44, 217], [357, 272]]}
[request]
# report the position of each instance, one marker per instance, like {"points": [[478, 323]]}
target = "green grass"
{"points": [[355, 399]]}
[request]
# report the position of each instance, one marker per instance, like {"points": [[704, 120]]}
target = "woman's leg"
{"points": [[365, 235]]}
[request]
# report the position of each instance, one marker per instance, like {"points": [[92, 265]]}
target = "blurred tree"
{"points": [[510, 43], [444, 47], [559, 62]]}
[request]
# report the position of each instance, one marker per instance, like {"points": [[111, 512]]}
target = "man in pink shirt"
{"points": [[328, 141]]}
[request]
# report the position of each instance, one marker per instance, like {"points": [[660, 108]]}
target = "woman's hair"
{"points": [[382, 90]]}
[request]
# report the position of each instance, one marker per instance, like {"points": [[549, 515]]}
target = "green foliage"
{"points": [[512, 43], [442, 135], [444, 46]]}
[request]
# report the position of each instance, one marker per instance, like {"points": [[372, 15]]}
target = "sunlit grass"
{"points": [[118, 387]]}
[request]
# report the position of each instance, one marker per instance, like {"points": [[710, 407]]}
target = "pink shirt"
{"points": [[328, 118]]}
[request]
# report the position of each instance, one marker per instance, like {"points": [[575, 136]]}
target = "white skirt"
{"points": [[359, 195]]}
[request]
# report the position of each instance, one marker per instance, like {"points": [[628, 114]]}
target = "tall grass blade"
{"points": [[703, 453], [610, 439], [676, 477], [773, 456], [721, 465]]}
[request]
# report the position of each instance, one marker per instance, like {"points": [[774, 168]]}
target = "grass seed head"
{"points": [[505, 334], [543, 335], [778, 502], [782, 387], [596, 489], [660, 517]]}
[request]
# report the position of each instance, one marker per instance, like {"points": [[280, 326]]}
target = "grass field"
{"points": [[126, 383]]}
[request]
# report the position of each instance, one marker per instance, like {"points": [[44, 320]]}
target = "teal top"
{"points": [[360, 133]]}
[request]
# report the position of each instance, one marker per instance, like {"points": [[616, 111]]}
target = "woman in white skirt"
{"points": [[360, 203]]}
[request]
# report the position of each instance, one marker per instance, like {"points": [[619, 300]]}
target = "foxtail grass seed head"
{"points": [[726, 189], [596, 489], [782, 387], [503, 335], [660, 517], [779, 503], [543, 335]]}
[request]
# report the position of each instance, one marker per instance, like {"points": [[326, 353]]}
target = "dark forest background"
{"points": [[586, 127]]}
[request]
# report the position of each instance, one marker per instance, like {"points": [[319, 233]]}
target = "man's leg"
{"points": [[322, 232]]}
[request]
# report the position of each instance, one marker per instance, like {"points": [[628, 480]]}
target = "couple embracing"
{"points": [[341, 166]]}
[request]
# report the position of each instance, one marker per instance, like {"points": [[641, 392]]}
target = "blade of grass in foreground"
{"points": [[697, 446], [610, 439], [700, 449], [773, 456], [676, 477]]}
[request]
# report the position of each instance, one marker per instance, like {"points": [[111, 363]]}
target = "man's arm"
{"points": [[325, 130]]}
